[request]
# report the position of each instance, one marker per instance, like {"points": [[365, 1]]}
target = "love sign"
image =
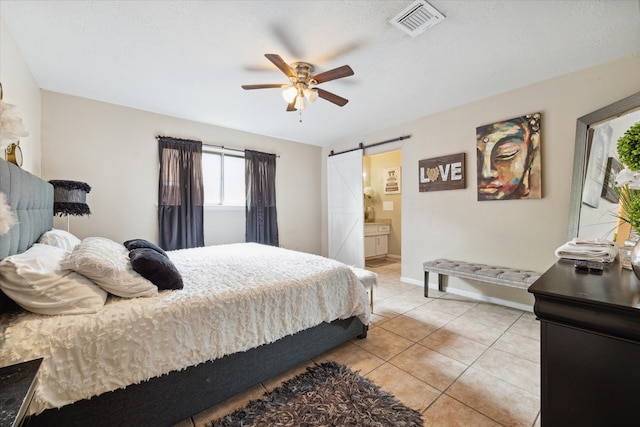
{"points": [[442, 173]]}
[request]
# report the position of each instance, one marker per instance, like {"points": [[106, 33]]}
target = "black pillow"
{"points": [[141, 243], [156, 268]]}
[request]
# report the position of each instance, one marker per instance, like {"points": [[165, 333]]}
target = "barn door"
{"points": [[345, 201]]}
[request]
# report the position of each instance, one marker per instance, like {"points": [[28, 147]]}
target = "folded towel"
{"points": [[592, 242], [590, 250]]}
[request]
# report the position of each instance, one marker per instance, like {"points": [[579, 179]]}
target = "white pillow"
{"points": [[107, 264], [60, 238], [36, 282]]}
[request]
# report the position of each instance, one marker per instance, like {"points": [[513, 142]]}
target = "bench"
{"points": [[480, 272], [368, 279]]}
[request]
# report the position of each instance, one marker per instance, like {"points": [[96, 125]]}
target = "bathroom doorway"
{"points": [[382, 210]]}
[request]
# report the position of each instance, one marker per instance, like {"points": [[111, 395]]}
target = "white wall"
{"points": [[113, 149], [515, 233], [20, 89]]}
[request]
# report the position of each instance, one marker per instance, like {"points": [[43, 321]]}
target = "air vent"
{"points": [[417, 17]]}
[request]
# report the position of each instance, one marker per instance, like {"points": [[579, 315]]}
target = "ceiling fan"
{"points": [[302, 79]]}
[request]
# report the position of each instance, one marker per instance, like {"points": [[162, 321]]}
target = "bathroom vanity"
{"points": [[376, 239]]}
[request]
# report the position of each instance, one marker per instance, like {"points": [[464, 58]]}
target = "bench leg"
{"points": [[426, 284]]}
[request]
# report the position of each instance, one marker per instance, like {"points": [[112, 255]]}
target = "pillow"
{"points": [[141, 243], [60, 238], [107, 264], [35, 280], [156, 267]]}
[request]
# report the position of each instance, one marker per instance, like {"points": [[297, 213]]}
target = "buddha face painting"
{"points": [[508, 159]]}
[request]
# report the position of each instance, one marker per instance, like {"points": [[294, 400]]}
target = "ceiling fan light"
{"points": [[289, 94], [299, 105], [312, 94]]}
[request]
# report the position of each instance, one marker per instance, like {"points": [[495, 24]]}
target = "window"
{"points": [[223, 177]]}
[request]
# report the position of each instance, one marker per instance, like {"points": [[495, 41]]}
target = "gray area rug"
{"points": [[326, 395]]}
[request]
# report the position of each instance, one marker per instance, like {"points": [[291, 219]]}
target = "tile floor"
{"points": [[458, 361]]}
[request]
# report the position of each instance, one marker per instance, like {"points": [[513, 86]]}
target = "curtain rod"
{"points": [[222, 147], [361, 146], [241, 150], [208, 144]]}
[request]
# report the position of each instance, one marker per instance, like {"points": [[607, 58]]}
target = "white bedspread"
{"points": [[235, 297]]}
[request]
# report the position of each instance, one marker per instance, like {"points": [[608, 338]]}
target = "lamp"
{"points": [[70, 198], [11, 129], [299, 105], [289, 94], [298, 92], [311, 94]]}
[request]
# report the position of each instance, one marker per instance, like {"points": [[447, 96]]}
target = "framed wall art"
{"points": [[609, 192], [599, 143], [509, 159], [441, 173], [392, 181]]}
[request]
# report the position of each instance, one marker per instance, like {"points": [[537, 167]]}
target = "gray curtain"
{"points": [[180, 194], [260, 183]]}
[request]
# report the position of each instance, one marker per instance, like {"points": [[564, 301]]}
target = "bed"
{"points": [[246, 312]]}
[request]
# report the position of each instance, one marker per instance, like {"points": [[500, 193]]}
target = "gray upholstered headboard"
{"points": [[31, 199]]}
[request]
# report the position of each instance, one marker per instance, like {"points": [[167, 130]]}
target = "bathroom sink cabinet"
{"points": [[376, 239]]}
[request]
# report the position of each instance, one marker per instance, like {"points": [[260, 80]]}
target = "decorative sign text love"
{"points": [[442, 173]]}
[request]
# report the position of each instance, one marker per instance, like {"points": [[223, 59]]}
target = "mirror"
{"points": [[592, 209]]}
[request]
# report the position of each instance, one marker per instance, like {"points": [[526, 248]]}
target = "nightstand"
{"points": [[17, 386]]}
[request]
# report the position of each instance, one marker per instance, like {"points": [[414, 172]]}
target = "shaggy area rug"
{"points": [[326, 395]]}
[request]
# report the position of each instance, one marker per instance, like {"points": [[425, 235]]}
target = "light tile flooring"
{"points": [[458, 361]]}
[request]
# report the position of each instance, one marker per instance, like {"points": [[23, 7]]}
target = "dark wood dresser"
{"points": [[17, 386], [590, 346]]}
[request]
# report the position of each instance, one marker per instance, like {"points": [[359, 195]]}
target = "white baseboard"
{"points": [[473, 295], [411, 281]]}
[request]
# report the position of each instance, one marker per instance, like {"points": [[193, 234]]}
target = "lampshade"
{"points": [[289, 94], [311, 94], [11, 127], [70, 197], [299, 105]]}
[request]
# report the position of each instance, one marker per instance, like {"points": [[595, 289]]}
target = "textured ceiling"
{"points": [[188, 59]]}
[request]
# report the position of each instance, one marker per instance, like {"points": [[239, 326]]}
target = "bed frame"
{"points": [[171, 398]]}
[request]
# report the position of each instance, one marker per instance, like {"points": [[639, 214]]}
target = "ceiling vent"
{"points": [[417, 17]]}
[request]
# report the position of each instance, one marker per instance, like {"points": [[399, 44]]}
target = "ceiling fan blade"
{"points": [[279, 62], [265, 86], [331, 97], [291, 105], [336, 73], [288, 38]]}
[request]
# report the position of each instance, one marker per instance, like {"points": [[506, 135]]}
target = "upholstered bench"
{"points": [[368, 279], [480, 272]]}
